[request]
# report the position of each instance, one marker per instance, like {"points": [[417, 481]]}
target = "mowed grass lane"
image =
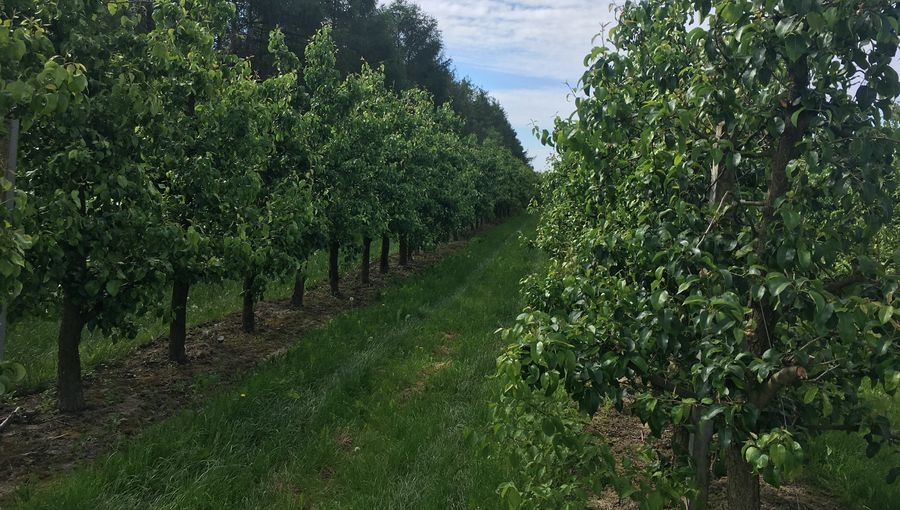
{"points": [[374, 411]]}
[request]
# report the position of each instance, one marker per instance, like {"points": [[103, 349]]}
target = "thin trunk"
{"points": [[721, 177], [366, 260], [409, 251], [9, 157], [248, 316], [743, 485], [404, 250], [299, 289], [69, 389], [700, 442], [334, 251], [385, 253], [178, 326]]}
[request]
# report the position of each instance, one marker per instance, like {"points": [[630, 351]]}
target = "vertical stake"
{"points": [[8, 150]]}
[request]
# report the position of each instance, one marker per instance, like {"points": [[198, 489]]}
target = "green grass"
{"points": [[374, 411], [32, 340], [838, 462]]}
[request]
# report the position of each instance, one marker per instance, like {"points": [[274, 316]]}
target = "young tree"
{"points": [[198, 145], [96, 211], [719, 193], [34, 83], [348, 126]]}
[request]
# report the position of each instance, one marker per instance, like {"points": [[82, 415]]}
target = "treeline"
{"points": [[399, 36], [157, 156]]}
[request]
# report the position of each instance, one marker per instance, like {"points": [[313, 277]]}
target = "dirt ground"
{"points": [[125, 396], [625, 432]]}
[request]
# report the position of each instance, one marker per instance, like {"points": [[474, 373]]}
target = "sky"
{"points": [[525, 53]]}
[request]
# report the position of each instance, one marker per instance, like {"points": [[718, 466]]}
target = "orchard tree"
{"points": [[35, 83], [276, 228], [197, 145], [96, 211], [347, 124], [712, 223]]}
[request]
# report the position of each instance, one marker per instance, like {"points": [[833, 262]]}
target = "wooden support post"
{"points": [[10, 149]]}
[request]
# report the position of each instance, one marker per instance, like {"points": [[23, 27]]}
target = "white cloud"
{"points": [[540, 106], [538, 40]]}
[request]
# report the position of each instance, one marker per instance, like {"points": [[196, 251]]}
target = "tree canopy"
{"points": [[714, 224]]}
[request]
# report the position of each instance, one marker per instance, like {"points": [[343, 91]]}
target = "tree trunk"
{"points": [[743, 485], [9, 152], [700, 442], [334, 250], [178, 326], [248, 316], [366, 259], [409, 251], [69, 389], [385, 253], [299, 289], [404, 250]]}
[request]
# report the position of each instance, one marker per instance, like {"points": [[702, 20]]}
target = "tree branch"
{"points": [[836, 286], [787, 376]]}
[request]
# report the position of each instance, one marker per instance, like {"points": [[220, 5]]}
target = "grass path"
{"points": [[373, 411]]}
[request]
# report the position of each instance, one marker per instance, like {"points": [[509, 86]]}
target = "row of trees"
{"points": [[398, 35], [179, 164], [717, 260]]}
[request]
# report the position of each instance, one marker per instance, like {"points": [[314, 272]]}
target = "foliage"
{"points": [[712, 222], [182, 165], [34, 83], [94, 207]]}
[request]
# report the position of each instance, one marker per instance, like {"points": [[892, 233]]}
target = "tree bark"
{"points": [[69, 389], [743, 485], [404, 250], [385, 253], [334, 250], [178, 326], [700, 442], [299, 289], [248, 316], [366, 260]]}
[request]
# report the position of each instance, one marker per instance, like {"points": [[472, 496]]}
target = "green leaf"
{"points": [[778, 285], [785, 26], [79, 83], [113, 286], [885, 313], [816, 21], [19, 91], [810, 394], [659, 299], [865, 96], [694, 299]]}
